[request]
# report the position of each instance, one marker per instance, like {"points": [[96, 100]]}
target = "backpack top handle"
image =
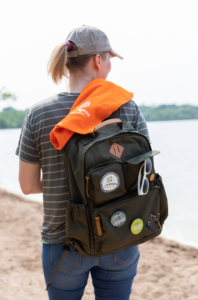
{"points": [[107, 122]]}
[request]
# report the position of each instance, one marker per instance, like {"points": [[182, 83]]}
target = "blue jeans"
{"points": [[112, 275]]}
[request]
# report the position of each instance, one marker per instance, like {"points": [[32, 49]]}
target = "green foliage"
{"points": [[11, 118], [6, 95], [169, 112]]}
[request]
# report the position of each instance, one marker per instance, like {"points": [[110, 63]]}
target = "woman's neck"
{"points": [[78, 82]]}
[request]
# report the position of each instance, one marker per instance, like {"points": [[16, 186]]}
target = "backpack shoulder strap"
{"points": [[114, 115]]}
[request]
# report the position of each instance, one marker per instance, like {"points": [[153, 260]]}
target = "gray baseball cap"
{"points": [[89, 40]]}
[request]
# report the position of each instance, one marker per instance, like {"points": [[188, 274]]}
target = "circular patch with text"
{"points": [[109, 182], [137, 226], [118, 219]]}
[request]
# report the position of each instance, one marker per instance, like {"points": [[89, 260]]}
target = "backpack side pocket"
{"points": [[77, 227], [163, 197]]}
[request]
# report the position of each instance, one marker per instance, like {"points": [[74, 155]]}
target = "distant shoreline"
{"points": [[146, 121], [12, 118]]}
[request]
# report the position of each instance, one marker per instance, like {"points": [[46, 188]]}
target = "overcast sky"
{"points": [[158, 39]]}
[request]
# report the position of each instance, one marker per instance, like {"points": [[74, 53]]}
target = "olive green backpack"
{"points": [[105, 213]]}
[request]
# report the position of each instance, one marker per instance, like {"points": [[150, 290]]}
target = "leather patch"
{"points": [[116, 150]]}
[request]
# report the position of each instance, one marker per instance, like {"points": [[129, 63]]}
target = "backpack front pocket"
{"points": [[132, 167], [105, 182], [127, 221]]}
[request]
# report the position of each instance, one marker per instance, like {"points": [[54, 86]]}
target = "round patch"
{"points": [[137, 226], [118, 219], [109, 182]]}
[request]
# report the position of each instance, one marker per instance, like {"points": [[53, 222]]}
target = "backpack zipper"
{"points": [[134, 196], [101, 166], [87, 185]]}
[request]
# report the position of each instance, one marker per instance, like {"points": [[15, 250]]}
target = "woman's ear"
{"points": [[97, 61]]}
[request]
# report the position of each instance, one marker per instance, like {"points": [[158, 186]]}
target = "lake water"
{"points": [[177, 164]]}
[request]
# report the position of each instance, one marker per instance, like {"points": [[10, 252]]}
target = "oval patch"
{"points": [[118, 219], [109, 182], [137, 226]]}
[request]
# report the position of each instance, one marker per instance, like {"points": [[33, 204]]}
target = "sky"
{"points": [[158, 40]]}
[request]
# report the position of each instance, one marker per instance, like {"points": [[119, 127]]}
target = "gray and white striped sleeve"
{"points": [[131, 113], [27, 149]]}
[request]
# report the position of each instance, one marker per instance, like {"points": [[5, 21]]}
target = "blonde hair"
{"points": [[59, 64]]}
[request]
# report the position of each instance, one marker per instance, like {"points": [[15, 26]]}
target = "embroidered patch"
{"points": [[152, 221], [109, 182]]}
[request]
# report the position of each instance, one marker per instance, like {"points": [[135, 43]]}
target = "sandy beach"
{"points": [[166, 270]]}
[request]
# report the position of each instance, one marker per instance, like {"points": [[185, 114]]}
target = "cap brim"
{"points": [[114, 53]]}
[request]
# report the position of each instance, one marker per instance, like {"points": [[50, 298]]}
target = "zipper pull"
{"points": [[87, 178], [98, 226], [159, 222]]}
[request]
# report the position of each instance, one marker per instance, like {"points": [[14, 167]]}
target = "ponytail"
{"points": [[57, 63]]}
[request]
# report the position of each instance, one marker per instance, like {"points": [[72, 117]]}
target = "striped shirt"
{"points": [[35, 147]]}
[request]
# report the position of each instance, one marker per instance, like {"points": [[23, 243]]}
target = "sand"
{"points": [[166, 270]]}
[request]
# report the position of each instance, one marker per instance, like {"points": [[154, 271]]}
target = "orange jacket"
{"points": [[97, 101]]}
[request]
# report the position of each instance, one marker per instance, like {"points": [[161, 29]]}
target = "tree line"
{"points": [[12, 118], [169, 112]]}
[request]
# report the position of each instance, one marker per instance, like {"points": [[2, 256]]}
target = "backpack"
{"points": [[106, 211]]}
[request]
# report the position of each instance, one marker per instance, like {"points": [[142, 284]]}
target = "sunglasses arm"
{"points": [[139, 178]]}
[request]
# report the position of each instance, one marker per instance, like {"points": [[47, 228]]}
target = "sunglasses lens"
{"points": [[148, 166], [145, 186]]}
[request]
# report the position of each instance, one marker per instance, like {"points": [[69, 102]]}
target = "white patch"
{"points": [[109, 182]]}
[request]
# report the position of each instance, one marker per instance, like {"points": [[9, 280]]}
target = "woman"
{"points": [[85, 55]]}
